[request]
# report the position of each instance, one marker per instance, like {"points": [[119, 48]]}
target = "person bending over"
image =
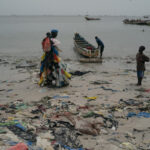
{"points": [[100, 45]]}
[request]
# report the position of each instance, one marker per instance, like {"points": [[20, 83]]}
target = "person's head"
{"points": [[95, 37], [141, 49], [48, 34], [54, 33]]}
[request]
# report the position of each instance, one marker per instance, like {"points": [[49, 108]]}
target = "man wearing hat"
{"points": [[140, 60]]}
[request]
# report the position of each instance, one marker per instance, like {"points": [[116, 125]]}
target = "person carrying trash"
{"points": [[140, 61]]}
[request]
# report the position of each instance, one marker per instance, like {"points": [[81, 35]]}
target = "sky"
{"points": [[75, 7]]}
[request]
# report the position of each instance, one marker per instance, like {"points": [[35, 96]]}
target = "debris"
{"points": [[79, 73], [91, 114], [141, 114], [22, 132], [99, 82], [19, 146], [58, 96], [128, 146], [91, 98], [108, 89]]}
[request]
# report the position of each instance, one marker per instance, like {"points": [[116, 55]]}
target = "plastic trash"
{"points": [[131, 114], [68, 148], [91, 114], [20, 126], [91, 98], [8, 123], [44, 144], [141, 114], [19, 146], [68, 75], [58, 96], [128, 146], [108, 89], [22, 132]]}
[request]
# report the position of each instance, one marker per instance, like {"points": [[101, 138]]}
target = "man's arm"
{"points": [[145, 58]]}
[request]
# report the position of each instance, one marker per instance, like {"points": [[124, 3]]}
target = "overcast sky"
{"points": [[75, 7]]}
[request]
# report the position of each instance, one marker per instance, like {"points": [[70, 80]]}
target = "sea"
{"points": [[22, 35]]}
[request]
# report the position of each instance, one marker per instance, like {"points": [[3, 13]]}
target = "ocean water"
{"points": [[22, 35]]}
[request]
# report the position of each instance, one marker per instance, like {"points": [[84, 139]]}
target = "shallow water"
{"points": [[22, 35]]}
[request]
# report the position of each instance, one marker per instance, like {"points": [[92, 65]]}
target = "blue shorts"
{"points": [[140, 74]]}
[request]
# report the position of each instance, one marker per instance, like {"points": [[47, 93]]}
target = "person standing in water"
{"points": [[100, 45], [140, 61]]}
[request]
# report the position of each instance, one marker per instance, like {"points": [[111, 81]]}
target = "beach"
{"points": [[105, 94], [107, 86]]}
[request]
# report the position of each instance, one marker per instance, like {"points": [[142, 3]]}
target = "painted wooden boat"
{"points": [[84, 48]]}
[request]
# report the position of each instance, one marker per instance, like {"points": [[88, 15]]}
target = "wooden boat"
{"points": [[85, 48], [91, 18], [137, 22]]}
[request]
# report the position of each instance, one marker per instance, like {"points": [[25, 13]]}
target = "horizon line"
{"points": [[38, 15]]}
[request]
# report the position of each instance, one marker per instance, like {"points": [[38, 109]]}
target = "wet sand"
{"points": [[108, 84]]}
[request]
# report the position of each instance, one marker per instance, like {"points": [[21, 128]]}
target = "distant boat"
{"points": [[84, 48], [146, 16], [137, 22], [92, 18]]}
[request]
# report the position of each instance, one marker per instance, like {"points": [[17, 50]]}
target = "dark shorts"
{"points": [[140, 74]]}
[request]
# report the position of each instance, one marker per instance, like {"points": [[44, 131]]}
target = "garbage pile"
{"points": [[52, 121], [55, 123]]}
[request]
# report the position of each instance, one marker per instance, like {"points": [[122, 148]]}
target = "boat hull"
{"points": [[90, 18], [81, 46]]}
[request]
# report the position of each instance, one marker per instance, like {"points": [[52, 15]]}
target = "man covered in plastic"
{"points": [[55, 70], [59, 73], [47, 63], [140, 60], [100, 45]]}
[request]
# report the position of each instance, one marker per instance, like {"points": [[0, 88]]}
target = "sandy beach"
{"points": [[106, 95]]}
